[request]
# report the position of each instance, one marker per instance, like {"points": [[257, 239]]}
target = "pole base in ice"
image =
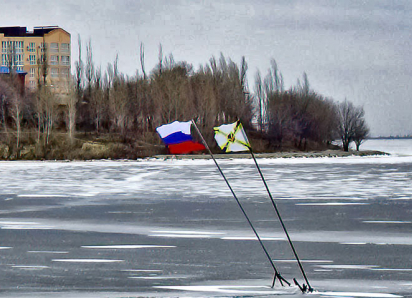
{"points": [[304, 288], [281, 280]]}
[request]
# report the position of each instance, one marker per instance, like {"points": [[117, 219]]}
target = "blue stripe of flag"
{"points": [[176, 138]]}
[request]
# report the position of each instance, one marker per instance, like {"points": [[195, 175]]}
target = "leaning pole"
{"points": [[277, 274]]}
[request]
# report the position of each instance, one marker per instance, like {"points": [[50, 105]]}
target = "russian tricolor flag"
{"points": [[177, 137]]}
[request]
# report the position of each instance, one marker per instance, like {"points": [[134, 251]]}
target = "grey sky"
{"points": [[359, 50]]}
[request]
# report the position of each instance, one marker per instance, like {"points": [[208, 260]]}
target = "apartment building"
{"points": [[33, 51]]}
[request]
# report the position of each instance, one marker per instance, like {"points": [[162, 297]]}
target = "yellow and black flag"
{"points": [[232, 137]]}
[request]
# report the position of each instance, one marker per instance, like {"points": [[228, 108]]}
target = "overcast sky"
{"points": [[354, 49]]}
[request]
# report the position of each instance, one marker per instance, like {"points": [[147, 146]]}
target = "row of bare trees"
{"points": [[299, 114], [107, 101]]}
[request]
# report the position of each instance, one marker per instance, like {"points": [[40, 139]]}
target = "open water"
{"points": [[154, 228]]}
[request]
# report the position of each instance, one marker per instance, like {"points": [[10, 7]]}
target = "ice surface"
{"points": [[47, 252], [357, 267], [388, 221], [87, 260], [126, 246], [331, 204], [30, 267], [304, 261], [396, 147], [233, 290], [355, 294], [288, 178], [172, 227]]}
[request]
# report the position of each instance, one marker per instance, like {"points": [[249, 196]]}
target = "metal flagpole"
{"points": [[277, 274], [310, 289]]}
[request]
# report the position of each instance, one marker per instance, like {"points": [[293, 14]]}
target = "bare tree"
{"points": [[242, 74], [116, 69], [12, 97], [281, 117], [45, 105], [97, 102], [89, 70], [4, 97], [160, 57], [3, 111], [205, 98], [71, 110], [142, 61], [43, 64], [118, 100], [361, 133], [79, 71], [303, 87], [171, 91], [38, 109], [48, 105], [17, 115], [276, 115], [274, 80], [351, 118], [272, 84], [260, 98]]}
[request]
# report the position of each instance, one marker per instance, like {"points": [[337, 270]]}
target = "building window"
{"points": [[12, 60], [54, 72], [4, 46], [31, 47], [54, 60], [12, 46], [32, 72], [19, 68], [18, 59], [43, 46], [19, 46], [65, 60], [4, 60], [65, 47], [54, 47], [32, 59], [32, 84]]}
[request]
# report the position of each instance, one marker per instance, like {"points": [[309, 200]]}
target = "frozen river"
{"points": [[172, 229]]}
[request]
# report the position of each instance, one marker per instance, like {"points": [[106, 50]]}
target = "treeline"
{"points": [[300, 115], [135, 106], [107, 102]]}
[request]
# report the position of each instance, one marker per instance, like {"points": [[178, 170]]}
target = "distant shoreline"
{"points": [[390, 138], [314, 154]]}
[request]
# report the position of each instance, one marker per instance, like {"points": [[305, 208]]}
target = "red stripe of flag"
{"points": [[185, 147]]}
